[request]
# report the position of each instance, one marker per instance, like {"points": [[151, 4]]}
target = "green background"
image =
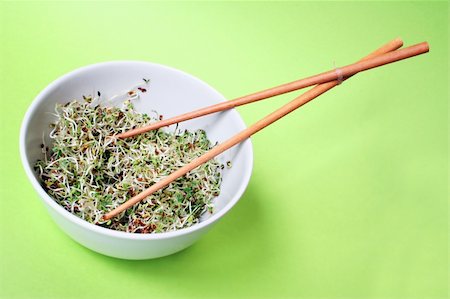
{"points": [[348, 197]]}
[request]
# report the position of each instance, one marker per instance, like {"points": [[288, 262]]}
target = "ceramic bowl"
{"points": [[171, 92]]}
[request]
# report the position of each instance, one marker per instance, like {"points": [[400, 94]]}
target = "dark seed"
{"points": [[107, 154]]}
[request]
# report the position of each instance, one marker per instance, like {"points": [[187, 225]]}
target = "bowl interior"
{"points": [[170, 92]]}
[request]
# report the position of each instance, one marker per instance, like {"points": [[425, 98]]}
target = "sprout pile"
{"points": [[89, 173]]}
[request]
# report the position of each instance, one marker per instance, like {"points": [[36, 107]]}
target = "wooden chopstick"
{"points": [[269, 119], [271, 92]]}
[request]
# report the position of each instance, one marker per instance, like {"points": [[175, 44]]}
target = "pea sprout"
{"points": [[89, 173]]}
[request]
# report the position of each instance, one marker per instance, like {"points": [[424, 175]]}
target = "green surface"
{"points": [[348, 197]]}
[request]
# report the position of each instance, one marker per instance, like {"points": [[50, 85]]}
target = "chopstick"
{"points": [[331, 75], [269, 119]]}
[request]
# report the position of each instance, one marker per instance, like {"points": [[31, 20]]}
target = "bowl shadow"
{"points": [[235, 245]]}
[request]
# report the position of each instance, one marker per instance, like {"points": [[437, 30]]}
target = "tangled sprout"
{"points": [[89, 173]]}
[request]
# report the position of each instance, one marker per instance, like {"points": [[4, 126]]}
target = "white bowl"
{"points": [[171, 92]]}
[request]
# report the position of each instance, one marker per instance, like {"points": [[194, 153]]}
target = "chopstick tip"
{"points": [[398, 40], [426, 46]]}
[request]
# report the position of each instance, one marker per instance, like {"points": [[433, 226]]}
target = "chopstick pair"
{"points": [[386, 54]]}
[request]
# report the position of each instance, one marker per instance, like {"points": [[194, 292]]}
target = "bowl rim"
{"points": [[106, 231]]}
